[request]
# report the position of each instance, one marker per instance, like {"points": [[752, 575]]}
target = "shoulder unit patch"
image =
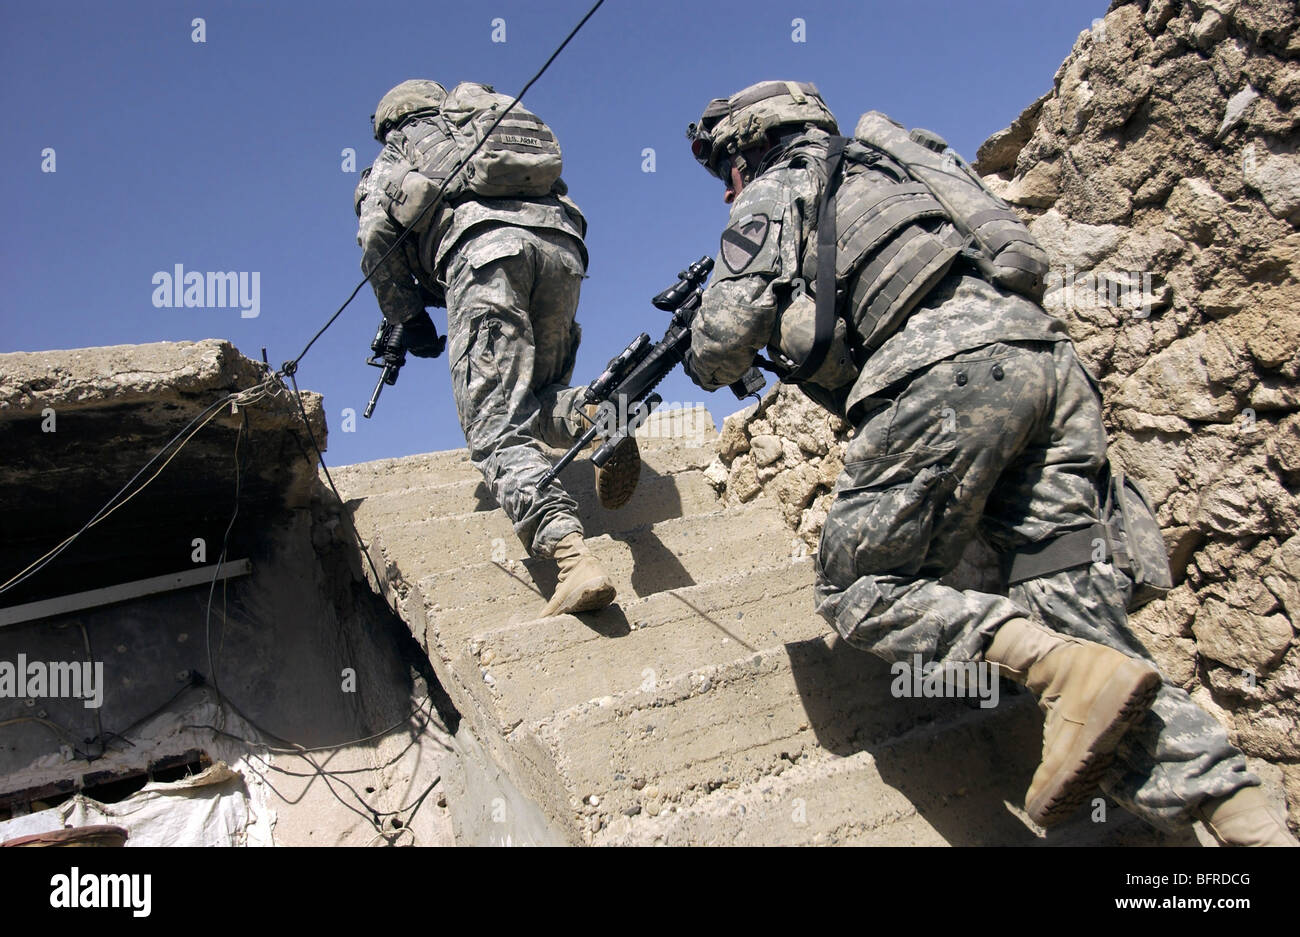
{"points": [[743, 240]]}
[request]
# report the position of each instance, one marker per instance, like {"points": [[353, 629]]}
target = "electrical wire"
{"points": [[90, 656], [320, 457], [39, 564], [221, 560], [328, 778], [246, 397], [60, 731], [368, 812], [396, 834]]}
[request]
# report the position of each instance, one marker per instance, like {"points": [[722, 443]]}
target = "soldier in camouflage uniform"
{"points": [[509, 271], [973, 414]]}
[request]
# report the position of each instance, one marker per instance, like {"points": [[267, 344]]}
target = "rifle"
{"points": [[624, 390], [380, 358]]}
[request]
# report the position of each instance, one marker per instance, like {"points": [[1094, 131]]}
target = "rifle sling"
{"points": [[824, 329]]}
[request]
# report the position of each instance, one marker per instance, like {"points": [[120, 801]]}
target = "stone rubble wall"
{"points": [[1161, 175]]}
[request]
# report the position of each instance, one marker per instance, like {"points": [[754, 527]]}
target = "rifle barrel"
{"points": [[379, 389], [583, 442]]}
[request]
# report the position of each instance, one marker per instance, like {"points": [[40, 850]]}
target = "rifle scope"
{"points": [[688, 281], [618, 366]]}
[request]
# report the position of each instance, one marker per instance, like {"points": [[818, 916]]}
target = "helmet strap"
{"points": [[753, 166]]}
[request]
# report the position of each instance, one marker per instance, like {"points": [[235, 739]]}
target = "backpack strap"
{"points": [[824, 329]]}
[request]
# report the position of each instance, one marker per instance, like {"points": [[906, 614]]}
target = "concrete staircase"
{"points": [[709, 704]]}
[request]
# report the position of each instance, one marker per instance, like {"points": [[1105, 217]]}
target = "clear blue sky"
{"points": [[226, 155]]}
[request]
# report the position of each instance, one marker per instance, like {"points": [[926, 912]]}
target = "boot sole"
{"points": [[616, 482], [592, 595], [1124, 700]]}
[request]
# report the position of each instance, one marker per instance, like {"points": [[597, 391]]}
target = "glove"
{"points": [[420, 336], [688, 365]]}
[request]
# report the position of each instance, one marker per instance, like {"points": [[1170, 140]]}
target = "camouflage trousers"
{"points": [[1006, 441], [512, 294]]}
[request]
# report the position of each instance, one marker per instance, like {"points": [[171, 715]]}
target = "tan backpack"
{"points": [[519, 157]]}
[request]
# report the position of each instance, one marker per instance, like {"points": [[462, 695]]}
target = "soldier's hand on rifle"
{"points": [[421, 337], [688, 361]]}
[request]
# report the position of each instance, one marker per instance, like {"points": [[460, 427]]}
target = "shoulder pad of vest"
{"points": [[361, 191]]}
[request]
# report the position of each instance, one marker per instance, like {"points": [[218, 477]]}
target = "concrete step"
{"points": [[720, 725], [799, 744], [958, 782], [529, 672], [943, 783], [414, 524], [421, 501], [662, 455], [681, 423], [710, 704], [676, 710], [667, 555]]}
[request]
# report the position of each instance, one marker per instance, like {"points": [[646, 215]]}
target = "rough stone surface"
{"points": [[1276, 177], [1240, 639], [1163, 160], [120, 374]]}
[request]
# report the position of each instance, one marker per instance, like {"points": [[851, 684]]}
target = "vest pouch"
{"points": [[407, 195], [794, 333], [1137, 546]]}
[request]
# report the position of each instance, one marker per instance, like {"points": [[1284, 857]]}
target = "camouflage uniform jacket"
{"points": [[400, 289], [762, 266]]}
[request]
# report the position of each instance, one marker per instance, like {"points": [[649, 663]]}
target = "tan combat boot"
{"points": [[1245, 818], [1089, 694], [583, 585], [617, 480]]}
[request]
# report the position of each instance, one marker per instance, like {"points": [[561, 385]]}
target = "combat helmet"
{"points": [[410, 97], [729, 126]]}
